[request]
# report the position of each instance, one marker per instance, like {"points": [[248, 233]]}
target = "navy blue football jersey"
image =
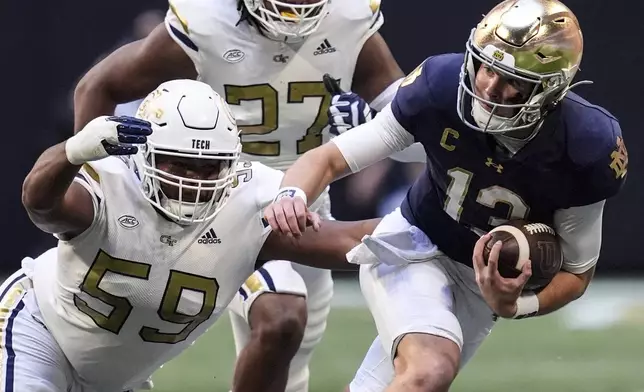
{"points": [[577, 158]]}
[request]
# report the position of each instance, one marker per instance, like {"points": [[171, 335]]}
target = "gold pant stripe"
{"points": [[10, 305]]}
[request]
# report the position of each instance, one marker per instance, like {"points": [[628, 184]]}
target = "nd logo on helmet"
{"points": [[498, 55]]}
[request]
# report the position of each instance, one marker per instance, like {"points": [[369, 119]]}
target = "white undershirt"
{"points": [[415, 152], [373, 141], [579, 228]]}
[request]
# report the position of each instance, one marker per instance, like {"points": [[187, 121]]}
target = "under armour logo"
{"points": [[497, 166]]}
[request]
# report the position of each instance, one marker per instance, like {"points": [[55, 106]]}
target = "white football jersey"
{"points": [[274, 88], [135, 289]]}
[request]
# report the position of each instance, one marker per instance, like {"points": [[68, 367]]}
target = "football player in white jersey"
{"points": [[136, 276], [267, 59]]}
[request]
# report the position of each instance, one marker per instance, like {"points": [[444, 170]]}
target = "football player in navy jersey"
{"points": [[505, 139]]}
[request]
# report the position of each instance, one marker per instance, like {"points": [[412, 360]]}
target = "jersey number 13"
{"points": [[488, 197]]}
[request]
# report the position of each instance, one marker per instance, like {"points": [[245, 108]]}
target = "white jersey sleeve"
{"points": [[186, 21], [268, 185], [373, 141], [377, 19], [268, 182], [88, 178], [580, 236]]}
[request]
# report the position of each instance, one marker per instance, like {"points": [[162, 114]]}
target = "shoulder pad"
{"points": [[353, 13], [257, 173], [195, 17], [244, 173], [433, 84], [591, 130], [597, 150], [107, 170], [109, 165], [374, 6]]}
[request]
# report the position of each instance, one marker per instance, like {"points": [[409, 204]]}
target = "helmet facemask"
{"points": [[281, 18], [547, 90], [193, 200]]}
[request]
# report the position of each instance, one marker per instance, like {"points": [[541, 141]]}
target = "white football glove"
{"points": [[107, 135]]}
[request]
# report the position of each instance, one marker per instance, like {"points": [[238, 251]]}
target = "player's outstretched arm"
{"points": [[325, 248], [56, 196], [376, 79], [54, 203], [348, 153], [130, 73]]}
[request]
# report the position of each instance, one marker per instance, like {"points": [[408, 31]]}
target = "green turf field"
{"points": [[527, 355]]}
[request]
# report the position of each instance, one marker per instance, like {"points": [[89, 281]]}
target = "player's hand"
{"points": [[107, 135], [500, 293], [289, 214], [347, 109]]}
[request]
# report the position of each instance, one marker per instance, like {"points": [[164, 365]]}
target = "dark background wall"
{"points": [[47, 46]]}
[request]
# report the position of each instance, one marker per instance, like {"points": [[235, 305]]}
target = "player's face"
{"points": [[493, 87], [197, 169]]}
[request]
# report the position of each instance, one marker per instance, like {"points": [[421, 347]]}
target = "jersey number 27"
{"points": [[297, 92]]}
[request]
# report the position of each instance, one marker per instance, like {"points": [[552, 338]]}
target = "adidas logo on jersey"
{"points": [[324, 48], [209, 238]]}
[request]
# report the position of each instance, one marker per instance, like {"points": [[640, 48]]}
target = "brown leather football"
{"points": [[524, 241]]}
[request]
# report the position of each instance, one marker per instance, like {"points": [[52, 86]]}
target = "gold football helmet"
{"points": [[533, 41]]}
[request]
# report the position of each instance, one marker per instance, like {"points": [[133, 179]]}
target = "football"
{"points": [[523, 241]]}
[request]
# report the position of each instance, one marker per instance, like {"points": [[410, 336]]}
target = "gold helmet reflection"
{"points": [[535, 41]]}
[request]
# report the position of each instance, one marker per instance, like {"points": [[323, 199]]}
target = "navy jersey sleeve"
{"points": [[604, 163], [414, 95], [429, 89]]}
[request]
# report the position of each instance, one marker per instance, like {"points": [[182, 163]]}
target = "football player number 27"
{"points": [[297, 92], [113, 319], [489, 197]]}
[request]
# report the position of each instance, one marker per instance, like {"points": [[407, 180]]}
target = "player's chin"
{"points": [[500, 111], [506, 113], [186, 195]]}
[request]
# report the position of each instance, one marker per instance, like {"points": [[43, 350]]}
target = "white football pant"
{"points": [[30, 358], [414, 288]]}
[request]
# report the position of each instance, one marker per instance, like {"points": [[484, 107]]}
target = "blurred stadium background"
{"points": [[595, 344]]}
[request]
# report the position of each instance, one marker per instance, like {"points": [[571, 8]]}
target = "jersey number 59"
{"points": [[121, 307]]}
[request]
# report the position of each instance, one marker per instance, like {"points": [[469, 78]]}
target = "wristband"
{"points": [[527, 306], [292, 192]]}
